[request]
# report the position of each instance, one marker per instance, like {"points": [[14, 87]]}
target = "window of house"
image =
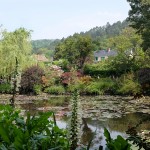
{"points": [[102, 58], [96, 58]]}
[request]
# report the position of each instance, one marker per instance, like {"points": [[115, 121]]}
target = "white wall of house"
{"points": [[101, 58]]}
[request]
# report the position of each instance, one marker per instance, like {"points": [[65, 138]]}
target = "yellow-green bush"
{"points": [[129, 85]]}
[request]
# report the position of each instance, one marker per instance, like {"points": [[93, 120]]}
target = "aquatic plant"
{"points": [[116, 144]]}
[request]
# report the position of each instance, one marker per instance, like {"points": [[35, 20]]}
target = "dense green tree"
{"points": [[130, 54], [139, 16], [75, 49], [145, 1], [127, 40]]}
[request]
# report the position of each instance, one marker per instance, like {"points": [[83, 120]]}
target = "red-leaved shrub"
{"points": [[30, 77]]}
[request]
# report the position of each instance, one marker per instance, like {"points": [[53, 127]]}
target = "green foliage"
{"points": [[107, 30], [47, 44], [5, 88], [75, 49], [116, 144], [12, 45], [37, 88], [93, 88], [78, 85], [100, 69], [32, 133], [129, 85], [74, 129], [30, 77], [126, 40], [100, 86], [126, 62], [55, 89], [145, 1], [52, 76], [139, 16], [63, 63], [143, 76]]}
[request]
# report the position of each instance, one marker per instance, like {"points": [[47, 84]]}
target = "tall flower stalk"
{"points": [[75, 121], [15, 83]]}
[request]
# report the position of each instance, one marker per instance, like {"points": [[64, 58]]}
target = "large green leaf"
{"points": [[107, 135], [4, 132]]}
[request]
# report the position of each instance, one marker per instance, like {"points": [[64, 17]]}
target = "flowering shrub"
{"points": [[52, 76], [70, 77]]}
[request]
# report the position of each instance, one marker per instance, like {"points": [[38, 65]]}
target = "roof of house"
{"points": [[41, 57], [103, 53]]}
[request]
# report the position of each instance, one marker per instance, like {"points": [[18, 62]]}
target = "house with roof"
{"points": [[100, 55]]}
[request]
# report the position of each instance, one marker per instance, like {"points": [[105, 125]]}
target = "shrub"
{"points": [[116, 144], [85, 79], [129, 85], [37, 89], [99, 70], [5, 88], [63, 63], [80, 86], [31, 132], [144, 79], [56, 89], [93, 88], [70, 77], [52, 75], [30, 77], [100, 86]]}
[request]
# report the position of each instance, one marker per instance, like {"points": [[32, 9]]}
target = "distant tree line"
{"points": [[97, 34]]}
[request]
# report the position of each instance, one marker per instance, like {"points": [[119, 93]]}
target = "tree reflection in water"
{"points": [[87, 133]]}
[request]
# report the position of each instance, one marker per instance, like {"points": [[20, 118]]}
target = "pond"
{"points": [[115, 113]]}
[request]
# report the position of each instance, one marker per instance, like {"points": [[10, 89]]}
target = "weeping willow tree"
{"points": [[14, 45], [15, 55]]}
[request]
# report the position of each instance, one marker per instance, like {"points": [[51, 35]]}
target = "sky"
{"points": [[55, 19]]}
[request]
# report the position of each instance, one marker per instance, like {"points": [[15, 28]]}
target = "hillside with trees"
{"points": [[44, 46], [97, 34], [106, 31]]}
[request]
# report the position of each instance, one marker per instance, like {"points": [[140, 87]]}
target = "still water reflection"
{"points": [[116, 126]]}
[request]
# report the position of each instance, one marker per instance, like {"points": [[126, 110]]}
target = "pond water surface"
{"points": [[114, 113]]}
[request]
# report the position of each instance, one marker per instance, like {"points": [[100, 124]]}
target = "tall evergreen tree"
{"points": [[139, 16]]}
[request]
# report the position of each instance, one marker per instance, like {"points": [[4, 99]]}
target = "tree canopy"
{"points": [[127, 40], [14, 45], [139, 16], [75, 49]]}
